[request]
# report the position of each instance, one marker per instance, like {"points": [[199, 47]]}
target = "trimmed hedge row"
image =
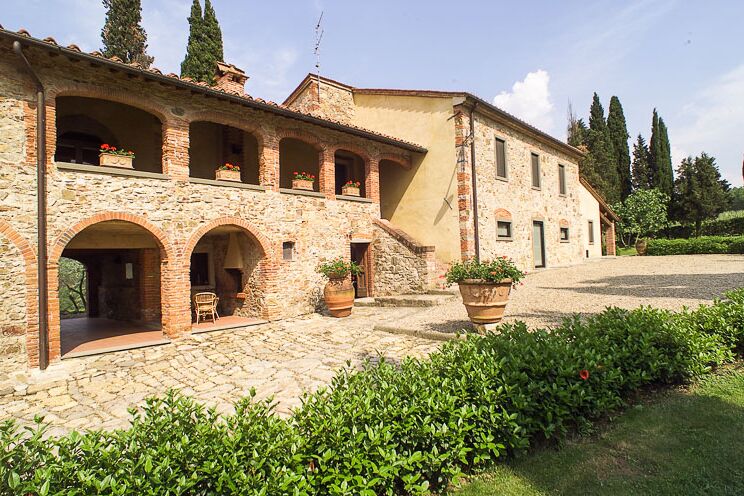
{"points": [[390, 429], [733, 226], [692, 246]]}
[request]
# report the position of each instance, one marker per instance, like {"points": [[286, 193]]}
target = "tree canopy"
{"points": [[619, 136], [641, 214], [122, 35], [699, 191], [204, 48]]}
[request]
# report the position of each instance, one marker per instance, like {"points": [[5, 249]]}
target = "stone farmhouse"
{"points": [[153, 235]]}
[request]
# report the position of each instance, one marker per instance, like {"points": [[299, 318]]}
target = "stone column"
{"points": [[372, 179], [268, 162], [464, 187], [176, 149], [610, 239], [149, 262]]}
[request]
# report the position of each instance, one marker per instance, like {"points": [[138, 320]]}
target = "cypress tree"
{"points": [[699, 192], [619, 136], [661, 156], [204, 47], [641, 167], [601, 161], [122, 35]]}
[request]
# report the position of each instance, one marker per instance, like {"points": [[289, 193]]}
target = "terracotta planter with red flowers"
{"points": [[110, 156], [351, 188], [228, 172], [303, 181], [485, 301]]}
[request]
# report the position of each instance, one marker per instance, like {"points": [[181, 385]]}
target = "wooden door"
{"points": [[359, 254]]}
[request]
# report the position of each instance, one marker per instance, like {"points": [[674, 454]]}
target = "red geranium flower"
{"points": [[584, 374]]}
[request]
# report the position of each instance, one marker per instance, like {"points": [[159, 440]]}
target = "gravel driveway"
{"points": [[548, 296]]}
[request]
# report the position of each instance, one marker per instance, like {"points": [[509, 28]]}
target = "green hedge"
{"points": [[731, 226], [409, 428], [692, 246]]}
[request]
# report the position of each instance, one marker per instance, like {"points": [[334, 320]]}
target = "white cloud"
{"points": [[269, 71], [712, 122], [529, 100]]}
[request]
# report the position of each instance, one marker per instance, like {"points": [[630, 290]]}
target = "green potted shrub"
{"points": [[339, 291], [485, 287]]}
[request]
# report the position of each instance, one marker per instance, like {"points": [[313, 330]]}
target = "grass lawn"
{"points": [[625, 252], [681, 442]]}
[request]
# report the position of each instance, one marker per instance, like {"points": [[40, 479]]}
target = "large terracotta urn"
{"points": [[485, 301], [339, 296], [641, 246]]}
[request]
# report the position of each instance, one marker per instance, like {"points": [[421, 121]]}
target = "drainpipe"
{"points": [[475, 183], [41, 267]]}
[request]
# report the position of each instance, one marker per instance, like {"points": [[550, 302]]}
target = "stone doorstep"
{"points": [[420, 300], [419, 333]]}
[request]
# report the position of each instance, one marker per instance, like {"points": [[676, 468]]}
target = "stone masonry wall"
{"points": [[515, 199], [402, 266], [12, 308], [335, 102], [175, 210]]}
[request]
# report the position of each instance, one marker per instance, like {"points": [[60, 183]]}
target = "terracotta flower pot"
{"points": [[350, 191], [641, 247], [114, 160], [485, 301], [339, 296], [303, 184], [227, 175]]}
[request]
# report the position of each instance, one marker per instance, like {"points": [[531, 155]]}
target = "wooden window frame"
{"points": [[533, 176]]}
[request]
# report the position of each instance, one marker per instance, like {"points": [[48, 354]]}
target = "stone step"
{"points": [[416, 300]]}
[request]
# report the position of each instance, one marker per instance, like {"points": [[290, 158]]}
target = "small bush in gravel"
{"points": [[695, 246], [388, 429]]}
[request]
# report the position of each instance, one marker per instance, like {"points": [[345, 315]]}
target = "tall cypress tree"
{"points": [[619, 136], [204, 48], [601, 161], [660, 156], [122, 34], [641, 167]]}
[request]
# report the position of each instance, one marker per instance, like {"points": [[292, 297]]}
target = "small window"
{"points": [[200, 269], [591, 232], [564, 234], [562, 179], [535, 170], [500, 158], [288, 248], [503, 229]]}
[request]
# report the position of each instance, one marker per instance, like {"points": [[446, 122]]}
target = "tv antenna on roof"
{"points": [[318, 38]]}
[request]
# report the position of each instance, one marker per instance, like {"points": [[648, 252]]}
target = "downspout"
{"points": [[475, 183], [41, 260]]}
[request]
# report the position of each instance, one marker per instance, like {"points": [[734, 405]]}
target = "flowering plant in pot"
{"points": [[303, 180], [338, 291], [228, 172], [111, 156], [485, 286], [351, 188]]}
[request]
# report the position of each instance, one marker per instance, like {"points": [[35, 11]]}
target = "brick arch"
{"points": [[262, 240], [348, 147], [402, 160], [30, 272], [309, 138], [228, 120], [563, 223], [502, 213], [166, 251], [113, 95]]}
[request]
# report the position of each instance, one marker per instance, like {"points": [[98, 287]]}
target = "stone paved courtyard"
{"points": [[283, 359]]}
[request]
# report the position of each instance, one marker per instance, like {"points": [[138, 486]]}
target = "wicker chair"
{"points": [[205, 304]]}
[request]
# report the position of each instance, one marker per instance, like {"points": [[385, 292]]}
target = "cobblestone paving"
{"points": [[279, 359]]}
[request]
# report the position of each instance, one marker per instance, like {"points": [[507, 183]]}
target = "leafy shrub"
{"points": [[339, 268], [487, 270], [388, 429], [727, 224], [701, 245]]}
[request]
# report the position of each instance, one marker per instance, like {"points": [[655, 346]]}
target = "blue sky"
{"points": [[685, 58]]}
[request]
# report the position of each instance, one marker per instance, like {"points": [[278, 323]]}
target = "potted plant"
{"points": [[228, 172], [303, 180], [485, 287], [339, 292], [110, 156], [351, 188]]}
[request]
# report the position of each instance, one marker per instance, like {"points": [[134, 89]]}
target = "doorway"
{"points": [[538, 244], [360, 255]]}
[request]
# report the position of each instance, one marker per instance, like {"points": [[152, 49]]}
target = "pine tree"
{"points": [[641, 168], [619, 136], [122, 35], [601, 162], [204, 47], [699, 193], [661, 156]]}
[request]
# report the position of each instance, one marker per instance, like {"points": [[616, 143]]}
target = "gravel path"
{"points": [[548, 296]]}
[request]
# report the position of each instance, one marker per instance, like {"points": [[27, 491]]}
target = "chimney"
{"points": [[230, 78]]}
